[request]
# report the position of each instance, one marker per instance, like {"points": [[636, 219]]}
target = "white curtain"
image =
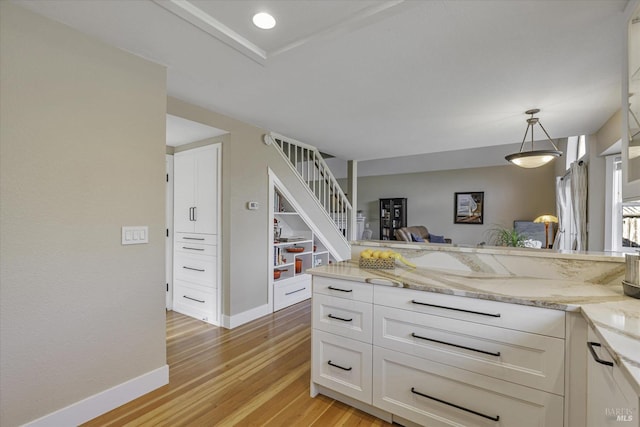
{"points": [[571, 206], [579, 204], [564, 220]]}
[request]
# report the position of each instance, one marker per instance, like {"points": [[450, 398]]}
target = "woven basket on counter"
{"points": [[377, 263]]}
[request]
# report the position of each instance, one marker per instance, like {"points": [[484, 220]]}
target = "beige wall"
{"points": [[82, 154], [245, 233], [511, 193]]}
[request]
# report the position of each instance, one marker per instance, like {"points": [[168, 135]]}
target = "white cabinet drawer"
{"points": [[432, 394], [351, 319], [204, 239], [194, 301], [343, 289], [291, 291], [342, 364], [611, 400], [199, 269], [529, 359], [511, 316], [195, 248]]}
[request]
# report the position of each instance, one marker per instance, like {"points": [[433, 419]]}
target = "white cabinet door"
{"points": [[610, 399], [183, 191], [342, 364], [206, 185], [196, 190]]}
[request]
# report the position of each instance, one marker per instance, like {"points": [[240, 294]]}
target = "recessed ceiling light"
{"points": [[264, 20]]}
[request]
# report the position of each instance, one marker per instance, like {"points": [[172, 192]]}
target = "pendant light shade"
{"points": [[533, 158]]}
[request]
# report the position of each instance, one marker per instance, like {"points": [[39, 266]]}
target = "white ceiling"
{"points": [[377, 79], [182, 131]]}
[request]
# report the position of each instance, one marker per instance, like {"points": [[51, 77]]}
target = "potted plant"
{"points": [[503, 236]]}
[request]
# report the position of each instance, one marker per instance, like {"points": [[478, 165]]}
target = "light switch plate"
{"points": [[135, 235]]}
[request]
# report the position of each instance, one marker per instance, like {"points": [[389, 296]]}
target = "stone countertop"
{"points": [[493, 250], [614, 316]]}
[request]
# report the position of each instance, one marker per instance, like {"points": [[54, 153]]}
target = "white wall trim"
{"points": [[231, 322], [100, 403]]}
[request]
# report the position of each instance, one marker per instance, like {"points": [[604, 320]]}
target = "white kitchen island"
{"points": [[478, 336]]}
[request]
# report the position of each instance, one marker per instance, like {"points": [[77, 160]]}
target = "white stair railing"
{"points": [[311, 168]]}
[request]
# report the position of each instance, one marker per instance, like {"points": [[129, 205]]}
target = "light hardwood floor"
{"points": [[254, 375]]}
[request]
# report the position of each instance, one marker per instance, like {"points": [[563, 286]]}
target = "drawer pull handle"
{"points": [[201, 270], [491, 353], [192, 249], [193, 299], [595, 356], [339, 318], [193, 238], [293, 292], [340, 290], [471, 411], [338, 366], [456, 309]]}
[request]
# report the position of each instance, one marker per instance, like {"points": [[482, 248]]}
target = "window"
{"points": [[622, 232], [576, 149]]}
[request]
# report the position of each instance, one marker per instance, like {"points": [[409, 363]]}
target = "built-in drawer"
{"points": [[511, 316], [195, 248], [291, 291], [195, 268], [521, 357], [343, 288], [349, 318], [194, 301], [205, 239], [342, 364], [433, 394]]}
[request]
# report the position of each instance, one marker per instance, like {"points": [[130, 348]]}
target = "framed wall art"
{"points": [[468, 207]]}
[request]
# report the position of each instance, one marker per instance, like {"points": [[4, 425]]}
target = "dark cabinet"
{"points": [[393, 215]]}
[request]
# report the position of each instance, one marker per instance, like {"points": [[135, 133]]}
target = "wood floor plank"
{"points": [[254, 375]]}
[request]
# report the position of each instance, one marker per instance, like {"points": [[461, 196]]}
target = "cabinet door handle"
{"points": [[193, 299], [453, 405], [193, 238], [591, 344], [456, 309], [195, 213], [491, 353], [201, 270], [340, 290], [338, 366], [192, 249], [339, 318], [190, 214], [293, 292]]}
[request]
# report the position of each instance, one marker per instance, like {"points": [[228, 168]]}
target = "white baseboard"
{"points": [[231, 322], [93, 406]]}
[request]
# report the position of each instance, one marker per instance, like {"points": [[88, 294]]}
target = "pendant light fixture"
{"points": [[533, 158]]}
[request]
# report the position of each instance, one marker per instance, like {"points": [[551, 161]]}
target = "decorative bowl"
{"points": [[295, 249], [631, 289]]}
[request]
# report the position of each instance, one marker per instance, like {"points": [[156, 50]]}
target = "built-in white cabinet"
{"points": [[611, 401], [195, 196], [196, 291], [295, 249], [422, 358]]}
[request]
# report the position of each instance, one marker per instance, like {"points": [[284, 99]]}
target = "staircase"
{"points": [[325, 205]]}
